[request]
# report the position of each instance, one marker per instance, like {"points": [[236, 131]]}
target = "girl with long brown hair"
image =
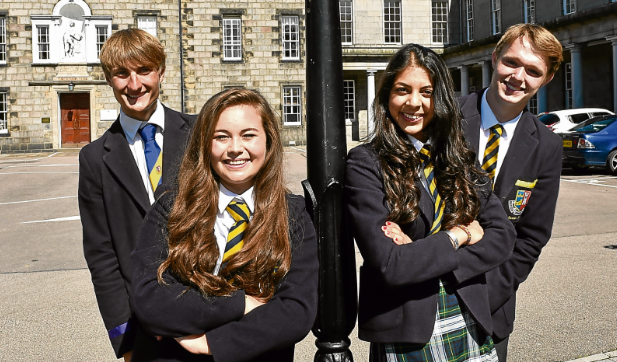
{"points": [[425, 220], [226, 262]]}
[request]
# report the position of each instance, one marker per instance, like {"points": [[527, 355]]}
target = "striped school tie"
{"points": [[154, 156], [429, 174], [489, 162], [235, 239]]}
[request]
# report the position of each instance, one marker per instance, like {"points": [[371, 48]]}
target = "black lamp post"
{"points": [[326, 151]]}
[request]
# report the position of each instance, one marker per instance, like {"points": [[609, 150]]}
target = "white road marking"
{"points": [[68, 218], [23, 202], [15, 173], [592, 181]]}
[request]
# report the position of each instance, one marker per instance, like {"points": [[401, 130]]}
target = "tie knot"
{"points": [[498, 129], [239, 210], [148, 132]]}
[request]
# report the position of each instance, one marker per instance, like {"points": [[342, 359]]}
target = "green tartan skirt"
{"points": [[454, 339]]}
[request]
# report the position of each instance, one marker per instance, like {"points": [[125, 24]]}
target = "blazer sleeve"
{"points": [[413, 263], [533, 230], [193, 313], [496, 244], [289, 315], [109, 285]]}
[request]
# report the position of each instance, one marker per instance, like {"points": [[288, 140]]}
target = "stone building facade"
{"points": [[587, 30], [53, 92]]}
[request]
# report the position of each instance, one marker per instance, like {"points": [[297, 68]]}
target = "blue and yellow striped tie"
{"points": [[429, 174], [154, 156], [489, 162], [235, 239]]}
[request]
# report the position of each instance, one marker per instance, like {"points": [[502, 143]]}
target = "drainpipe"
{"points": [[181, 57]]}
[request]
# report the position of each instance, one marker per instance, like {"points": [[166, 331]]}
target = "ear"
{"points": [[548, 79], [162, 75]]}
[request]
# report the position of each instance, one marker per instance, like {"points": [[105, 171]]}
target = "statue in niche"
{"points": [[71, 40]]}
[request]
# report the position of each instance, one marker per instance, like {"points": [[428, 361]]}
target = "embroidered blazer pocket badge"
{"points": [[521, 197]]}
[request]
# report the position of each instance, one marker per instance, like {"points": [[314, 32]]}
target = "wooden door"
{"points": [[75, 114]]}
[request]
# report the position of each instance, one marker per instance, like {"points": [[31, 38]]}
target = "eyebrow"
{"points": [[407, 85], [242, 131]]}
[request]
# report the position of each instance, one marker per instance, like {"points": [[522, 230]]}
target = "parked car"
{"points": [[562, 121], [592, 143]]}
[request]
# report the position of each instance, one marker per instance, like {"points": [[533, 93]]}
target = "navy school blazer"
{"points": [[112, 205], [399, 284], [527, 187], [267, 333]]}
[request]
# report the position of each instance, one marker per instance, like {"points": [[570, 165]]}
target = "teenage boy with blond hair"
{"points": [[521, 155], [119, 173]]}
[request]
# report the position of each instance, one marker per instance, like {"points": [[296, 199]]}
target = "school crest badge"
{"points": [[158, 169], [518, 204]]}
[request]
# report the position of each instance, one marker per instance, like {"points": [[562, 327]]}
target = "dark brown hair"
{"points": [[132, 46], [193, 252], [542, 40], [454, 162]]}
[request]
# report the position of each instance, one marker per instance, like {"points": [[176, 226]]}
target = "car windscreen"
{"points": [[548, 119], [595, 126]]}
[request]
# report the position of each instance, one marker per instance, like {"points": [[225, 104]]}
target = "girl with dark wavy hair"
{"points": [[425, 220], [226, 262]]}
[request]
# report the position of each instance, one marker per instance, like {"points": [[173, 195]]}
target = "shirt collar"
{"points": [[489, 119], [417, 143], [226, 196], [132, 125]]}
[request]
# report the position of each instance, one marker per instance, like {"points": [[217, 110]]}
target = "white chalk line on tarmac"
{"points": [[68, 218], [37, 200]]}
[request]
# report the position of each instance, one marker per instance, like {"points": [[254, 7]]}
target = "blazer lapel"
{"points": [[176, 134], [521, 149], [426, 205], [121, 164], [473, 119]]}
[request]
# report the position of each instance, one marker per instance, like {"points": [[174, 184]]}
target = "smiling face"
{"points": [[238, 147], [519, 72], [411, 101], [136, 88]]}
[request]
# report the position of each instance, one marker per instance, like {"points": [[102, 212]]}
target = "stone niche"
{"points": [[71, 34]]}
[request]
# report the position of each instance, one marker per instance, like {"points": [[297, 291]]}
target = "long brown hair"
{"points": [[193, 252], [455, 170]]}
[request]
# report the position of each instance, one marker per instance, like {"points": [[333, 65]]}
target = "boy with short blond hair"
{"points": [[119, 174], [521, 155]]}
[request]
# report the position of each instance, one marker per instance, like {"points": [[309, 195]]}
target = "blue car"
{"points": [[592, 143]]}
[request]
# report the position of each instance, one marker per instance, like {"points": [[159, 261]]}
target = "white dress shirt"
{"points": [[488, 121], [224, 220], [131, 127]]}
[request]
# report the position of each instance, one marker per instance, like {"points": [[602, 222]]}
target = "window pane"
{"points": [[232, 39], [290, 37], [291, 105], [2, 39], [440, 22], [3, 112], [392, 21]]}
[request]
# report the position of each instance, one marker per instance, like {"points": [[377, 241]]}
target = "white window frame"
{"points": [[496, 16], [568, 84], [349, 99], [292, 105], [392, 23], [3, 40], [532, 105], [569, 7], [469, 19], [346, 18], [148, 23], [529, 11], [439, 22], [102, 35], [4, 113], [290, 32], [43, 48], [232, 43]]}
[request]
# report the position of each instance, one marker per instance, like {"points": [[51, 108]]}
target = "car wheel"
{"points": [[611, 162]]}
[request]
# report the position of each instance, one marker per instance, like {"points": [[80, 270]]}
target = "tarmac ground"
{"points": [[48, 312]]}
